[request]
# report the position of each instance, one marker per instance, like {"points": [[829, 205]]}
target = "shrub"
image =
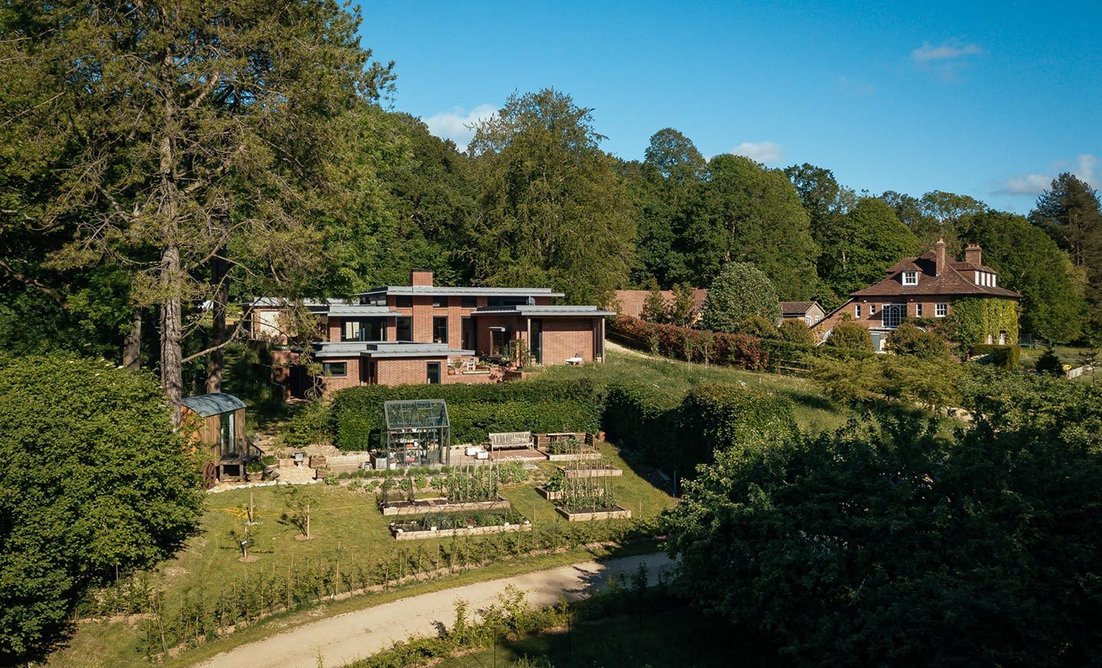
{"points": [[907, 339], [714, 417], [1004, 357], [849, 339], [797, 332], [739, 292], [738, 350], [1049, 363]]}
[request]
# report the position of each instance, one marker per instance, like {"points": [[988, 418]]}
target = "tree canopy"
{"points": [[92, 478], [739, 294], [552, 209]]}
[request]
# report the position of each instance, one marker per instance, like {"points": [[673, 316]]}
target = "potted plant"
{"points": [[254, 470]]}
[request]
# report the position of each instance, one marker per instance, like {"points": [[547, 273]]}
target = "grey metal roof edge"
{"points": [[364, 309], [386, 354], [442, 290], [207, 405], [550, 311]]}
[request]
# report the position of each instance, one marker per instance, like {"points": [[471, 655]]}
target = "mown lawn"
{"points": [[813, 411]]}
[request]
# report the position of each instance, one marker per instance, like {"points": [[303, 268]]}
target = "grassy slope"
{"points": [[346, 522]]}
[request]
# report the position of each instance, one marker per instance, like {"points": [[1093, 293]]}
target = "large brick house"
{"points": [[423, 333], [928, 286]]}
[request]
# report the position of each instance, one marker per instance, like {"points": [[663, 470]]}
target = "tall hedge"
{"points": [[540, 405], [677, 434]]}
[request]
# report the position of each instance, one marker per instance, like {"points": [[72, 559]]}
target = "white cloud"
{"points": [[1027, 184], [947, 51], [459, 125], [1035, 184], [765, 152], [1084, 169]]}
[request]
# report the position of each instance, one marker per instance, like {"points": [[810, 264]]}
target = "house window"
{"points": [[364, 329], [440, 301], [941, 310], [403, 301], [892, 314], [440, 329], [403, 330], [432, 373], [468, 302], [857, 311], [872, 309], [918, 310], [339, 369], [910, 278]]}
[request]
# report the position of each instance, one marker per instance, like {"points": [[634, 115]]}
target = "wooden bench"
{"points": [[510, 440]]}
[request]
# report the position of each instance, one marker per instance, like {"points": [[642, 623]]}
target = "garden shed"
{"points": [[219, 423], [418, 433]]}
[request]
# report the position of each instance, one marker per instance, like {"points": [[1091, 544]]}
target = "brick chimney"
{"points": [[973, 255], [421, 279], [939, 257]]}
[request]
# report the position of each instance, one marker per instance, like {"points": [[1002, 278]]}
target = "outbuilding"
{"points": [[218, 421]]}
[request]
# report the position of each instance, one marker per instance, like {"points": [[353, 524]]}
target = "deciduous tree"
{"points": [[740, 293]]}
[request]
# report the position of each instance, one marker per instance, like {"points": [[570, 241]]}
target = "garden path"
{"points": [[344, 638]]}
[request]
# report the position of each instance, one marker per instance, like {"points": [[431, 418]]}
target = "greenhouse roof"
{"points": [[416, 414]]}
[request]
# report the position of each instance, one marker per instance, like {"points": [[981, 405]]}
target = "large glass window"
{"points": [[507, 301], [440, 301], [404, 329], [440, 329], [469, 301], [403, 301], [363, 329], [499, 338], [432, 373], [892, 315]]}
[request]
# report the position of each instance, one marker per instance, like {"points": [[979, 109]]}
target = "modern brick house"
{"points": [[422, 333], [928, 286]]}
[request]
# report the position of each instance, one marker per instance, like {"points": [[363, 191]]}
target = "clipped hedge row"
{"points": [[679, 433], [694, 345], [540, 405]]}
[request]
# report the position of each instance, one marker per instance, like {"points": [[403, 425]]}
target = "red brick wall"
{"points": [[564, 338], [873, 320], [408, 370], [331, 384]]}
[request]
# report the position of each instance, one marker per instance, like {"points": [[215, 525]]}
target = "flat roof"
{"points": [[469, 291], [363, 310], [385, 349], [544, 311]]}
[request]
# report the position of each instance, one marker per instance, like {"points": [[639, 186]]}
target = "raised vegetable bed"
{"points": [[582, 515], [425, 534], [441, 505], [475, 523], [549, 494], [592, 472]]}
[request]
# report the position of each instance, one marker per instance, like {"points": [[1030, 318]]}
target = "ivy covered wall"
{"points": [[974, 319]]}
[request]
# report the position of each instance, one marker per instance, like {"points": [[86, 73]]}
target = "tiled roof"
{"points": [[799, 307], [631, 301], [952, 281]]}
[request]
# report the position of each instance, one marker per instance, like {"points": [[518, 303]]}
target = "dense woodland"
{"points": [[153, 160]]}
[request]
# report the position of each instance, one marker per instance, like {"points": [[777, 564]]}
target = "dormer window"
{"points": [[910, 278]]}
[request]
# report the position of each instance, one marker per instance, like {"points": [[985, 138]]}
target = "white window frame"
{"points": [[910, 278], [893, 315], [857, 311], [872, 310], [918, 310], [941, 310]]}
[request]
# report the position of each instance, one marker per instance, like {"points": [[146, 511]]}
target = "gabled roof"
{"points": [[207, 405], [953, 281], [799, 307], [631, 301]]}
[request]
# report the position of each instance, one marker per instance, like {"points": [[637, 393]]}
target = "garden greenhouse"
{"points": [[418, 433]]}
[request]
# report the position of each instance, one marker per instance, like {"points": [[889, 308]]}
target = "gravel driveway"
{"points": [[344, 638]]}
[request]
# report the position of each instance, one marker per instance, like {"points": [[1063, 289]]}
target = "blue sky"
{"points": [[986, 99]]}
